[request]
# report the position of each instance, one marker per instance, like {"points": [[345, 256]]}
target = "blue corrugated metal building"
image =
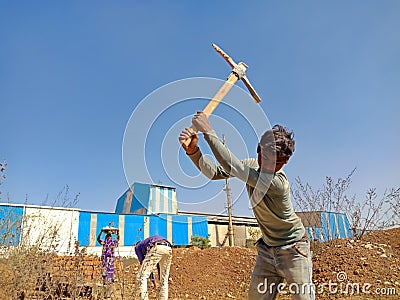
{"points": [[326, 226], [10, 224], [146, 199], [176, 228], [148, 209], [142, 211]]}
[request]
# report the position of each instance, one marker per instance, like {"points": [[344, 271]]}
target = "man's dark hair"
{"points": [[278, 140]]}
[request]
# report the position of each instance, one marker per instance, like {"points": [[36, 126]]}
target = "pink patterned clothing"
{"points": [[108, 259]]}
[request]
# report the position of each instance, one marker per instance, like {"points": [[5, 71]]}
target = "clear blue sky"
{"points": [[73, 72]]}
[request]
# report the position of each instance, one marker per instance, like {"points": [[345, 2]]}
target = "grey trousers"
{"points": [[274, 264]]}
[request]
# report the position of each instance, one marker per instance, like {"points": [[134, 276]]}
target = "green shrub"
{"points": [[200, 241]]}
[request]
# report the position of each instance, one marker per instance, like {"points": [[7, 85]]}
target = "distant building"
{"points": [[141, 211], [147, 199]]}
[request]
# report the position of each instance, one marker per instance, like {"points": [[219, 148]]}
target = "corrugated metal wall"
{"points": [[332, 226], [133, 228], [48, 228], [10, 224], [71, 225], [147, 199], [321, 226], [58, 228], [90, 225], [162, 200], [140, 199], [134, 200]]}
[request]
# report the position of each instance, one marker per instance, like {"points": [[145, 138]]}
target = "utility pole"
{"points": [[227, 189]]}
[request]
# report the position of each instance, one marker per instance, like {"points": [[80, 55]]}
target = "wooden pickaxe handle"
{"points": [[212, 105], [238, 72]]}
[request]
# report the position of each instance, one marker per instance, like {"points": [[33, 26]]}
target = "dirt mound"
{"points": [[214, 273], [371, 265], [366, 269], [224, 272]]}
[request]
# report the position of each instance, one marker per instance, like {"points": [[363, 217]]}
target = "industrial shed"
{"points": [[49, 228], [146, 199], [143, 210], [320, 226], [176, 228], [326, 226], [58, 229]]}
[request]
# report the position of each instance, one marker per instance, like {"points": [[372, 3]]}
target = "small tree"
{"points": [[394, 202], [376, 213], [255, 234], [200, 241], [332, 197], [368, 214], [28, 245]]}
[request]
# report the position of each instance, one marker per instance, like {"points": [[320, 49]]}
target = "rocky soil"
{"points": [[366, 269], [370, 269]]}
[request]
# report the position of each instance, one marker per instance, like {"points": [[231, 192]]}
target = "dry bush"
{"points": [[370, 213], [31, 266], [331, 198], [376, 213], [29, 246]]}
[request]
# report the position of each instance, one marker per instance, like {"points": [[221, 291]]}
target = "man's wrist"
{"points": [[193, 152]]}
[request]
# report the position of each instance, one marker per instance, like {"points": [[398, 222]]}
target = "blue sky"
{"points": [[73, 72]]}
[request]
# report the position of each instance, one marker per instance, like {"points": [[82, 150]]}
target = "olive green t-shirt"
{"points": [[269, 193]]}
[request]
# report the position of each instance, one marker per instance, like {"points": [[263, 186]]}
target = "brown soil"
{"points": [[224, 272], [214, 273], [372, 263]]}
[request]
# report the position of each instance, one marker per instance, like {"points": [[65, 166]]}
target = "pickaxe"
{"points": [[238, 73]]}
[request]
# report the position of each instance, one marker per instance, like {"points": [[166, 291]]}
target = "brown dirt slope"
{"points": [[214, 273], [224, 272], [372, 263]]}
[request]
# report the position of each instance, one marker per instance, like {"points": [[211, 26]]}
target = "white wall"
{"points": [[51, 229]]}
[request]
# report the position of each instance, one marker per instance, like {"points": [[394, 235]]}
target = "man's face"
{"points": [[267, 161]]}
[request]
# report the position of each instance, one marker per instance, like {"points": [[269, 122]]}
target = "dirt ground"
{"points": [[369, 268], [366, 269]]}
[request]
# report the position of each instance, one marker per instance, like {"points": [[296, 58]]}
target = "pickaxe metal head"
{"points": [[240, 71]]}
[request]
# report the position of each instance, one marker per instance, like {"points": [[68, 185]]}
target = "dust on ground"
{"points": [[372, 264], [369, 269]]}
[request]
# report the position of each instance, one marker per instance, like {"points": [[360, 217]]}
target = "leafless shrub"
{"points": [[394, 203], [376, 212], [332, 197], [62, 199], [364, 215], [29, 246], [41, 259], [31, 266]]}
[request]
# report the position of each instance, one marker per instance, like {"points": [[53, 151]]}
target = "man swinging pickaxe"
{"points": [[238, 73], [283, 250]]}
